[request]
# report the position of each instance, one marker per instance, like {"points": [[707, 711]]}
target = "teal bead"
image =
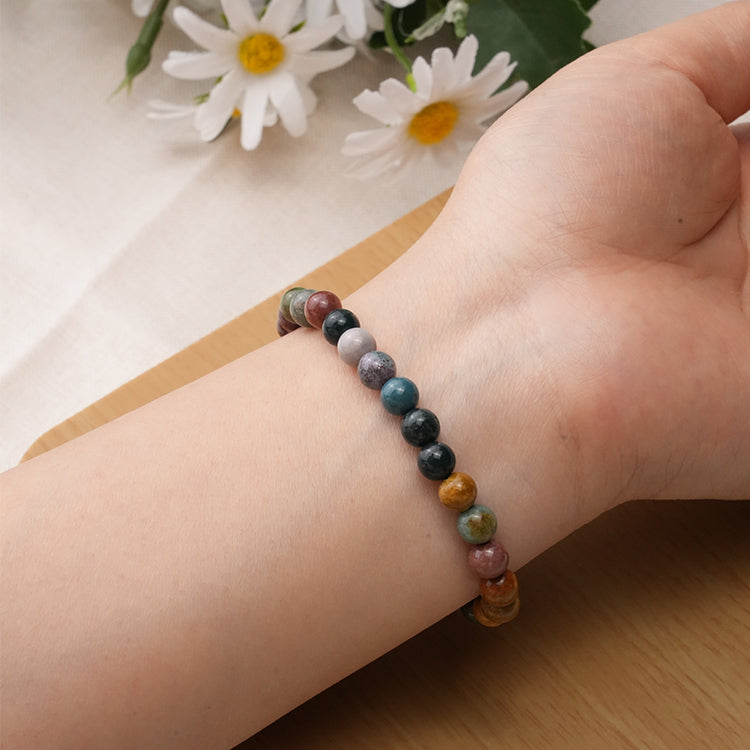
{"points": [[477, 524], [399, 395]]}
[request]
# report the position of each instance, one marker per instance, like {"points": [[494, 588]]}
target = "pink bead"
{"points": [[489, 560]]}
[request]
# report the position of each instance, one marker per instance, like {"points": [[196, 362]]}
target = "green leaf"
{"points": [[542, 35]]}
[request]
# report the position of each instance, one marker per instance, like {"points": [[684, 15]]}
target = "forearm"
{"points": [[194, 570]]}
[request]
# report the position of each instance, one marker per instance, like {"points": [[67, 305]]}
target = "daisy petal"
{"points": [[196, 65], [213, 115], [240, 16], [466, 56], [491, 77], [253, 114], [353, 11], [309, 38], [316, 11], [376, 105], [443, 75], [401, 97], [374, 142], [422, 77], [206, 34], [279, 17], [287, 100], [309, 64]]}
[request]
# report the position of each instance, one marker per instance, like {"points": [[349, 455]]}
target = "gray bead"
{"points": [[354, 343]]}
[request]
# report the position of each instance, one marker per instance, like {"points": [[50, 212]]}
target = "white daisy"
{"points": [[263, 66], [446, 111], [142, 8], [359, 15]]}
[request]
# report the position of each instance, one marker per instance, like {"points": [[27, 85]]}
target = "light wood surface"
{"points": [[634, 631]]}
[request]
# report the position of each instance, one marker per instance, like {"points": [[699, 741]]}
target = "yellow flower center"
{"points": [[260, 53], [433, 123]]}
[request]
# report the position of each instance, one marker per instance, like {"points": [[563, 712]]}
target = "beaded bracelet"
{"points": [[498, 600]]}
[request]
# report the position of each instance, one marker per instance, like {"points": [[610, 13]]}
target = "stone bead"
{"points": [[318, 305], [420, 427], [468, 612], [488, 560], [286, 300], [297, 307], [491, 617], [458, 491], [500, 591], [436, 461], [284, 326], [375, 368], [481, 617], [354, 343], [336, 322], [399, 395], [477, 524]]}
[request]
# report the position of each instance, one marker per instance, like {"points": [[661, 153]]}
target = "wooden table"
{"points": [[634, 631]]}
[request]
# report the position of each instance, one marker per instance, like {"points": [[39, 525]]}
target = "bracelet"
{"points": [[498, 600]]}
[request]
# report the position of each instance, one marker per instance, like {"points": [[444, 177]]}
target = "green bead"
{"points": [[286, 300]]}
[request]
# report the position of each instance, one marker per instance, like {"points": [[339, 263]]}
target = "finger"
{"points": [[712, 49]]}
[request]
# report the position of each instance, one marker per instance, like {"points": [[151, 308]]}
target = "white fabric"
{"points": [[125, 240]]}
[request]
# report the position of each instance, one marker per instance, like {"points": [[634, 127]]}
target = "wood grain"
{"points": [[634, 632]]}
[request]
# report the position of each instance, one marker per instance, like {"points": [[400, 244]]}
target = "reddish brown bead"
{"points": [[282, 324], [318, 305], [501, 591], [488, 560], [458, 491], [496, 615]]}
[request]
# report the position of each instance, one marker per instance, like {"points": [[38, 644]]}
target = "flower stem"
{"points": [[394, 46], [139, 55]]}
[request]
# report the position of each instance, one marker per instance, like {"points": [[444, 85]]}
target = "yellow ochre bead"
{"points": [[458, 491], [492, 617]]}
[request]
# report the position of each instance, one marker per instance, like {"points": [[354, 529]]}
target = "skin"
{"points": [[577, 317]]}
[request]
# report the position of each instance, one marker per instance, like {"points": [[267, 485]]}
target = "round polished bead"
{"points": [[286, 300], [477, 524], [284, 326], [488, 560], [318, 305], [336, 322], [458, 491], [399, 395], [420, 427], [491, 617], [354, 343], [436, 461], [468, 611], [375, 368], [500, 591], [297, 307]]}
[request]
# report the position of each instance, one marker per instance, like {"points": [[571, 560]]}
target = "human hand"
{"points": [[613, 206]]}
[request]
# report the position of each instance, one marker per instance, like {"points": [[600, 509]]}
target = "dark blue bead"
{"points": [[420, 427], [436, 461], [399, 395], [336, 322]]}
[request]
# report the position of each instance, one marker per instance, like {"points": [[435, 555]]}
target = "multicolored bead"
{"points": [[375, 368], [436, 461], [399, 395], [354, 343], [297, 307], [286, 300], [458, 491], [492, 617], [477, 524]]}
